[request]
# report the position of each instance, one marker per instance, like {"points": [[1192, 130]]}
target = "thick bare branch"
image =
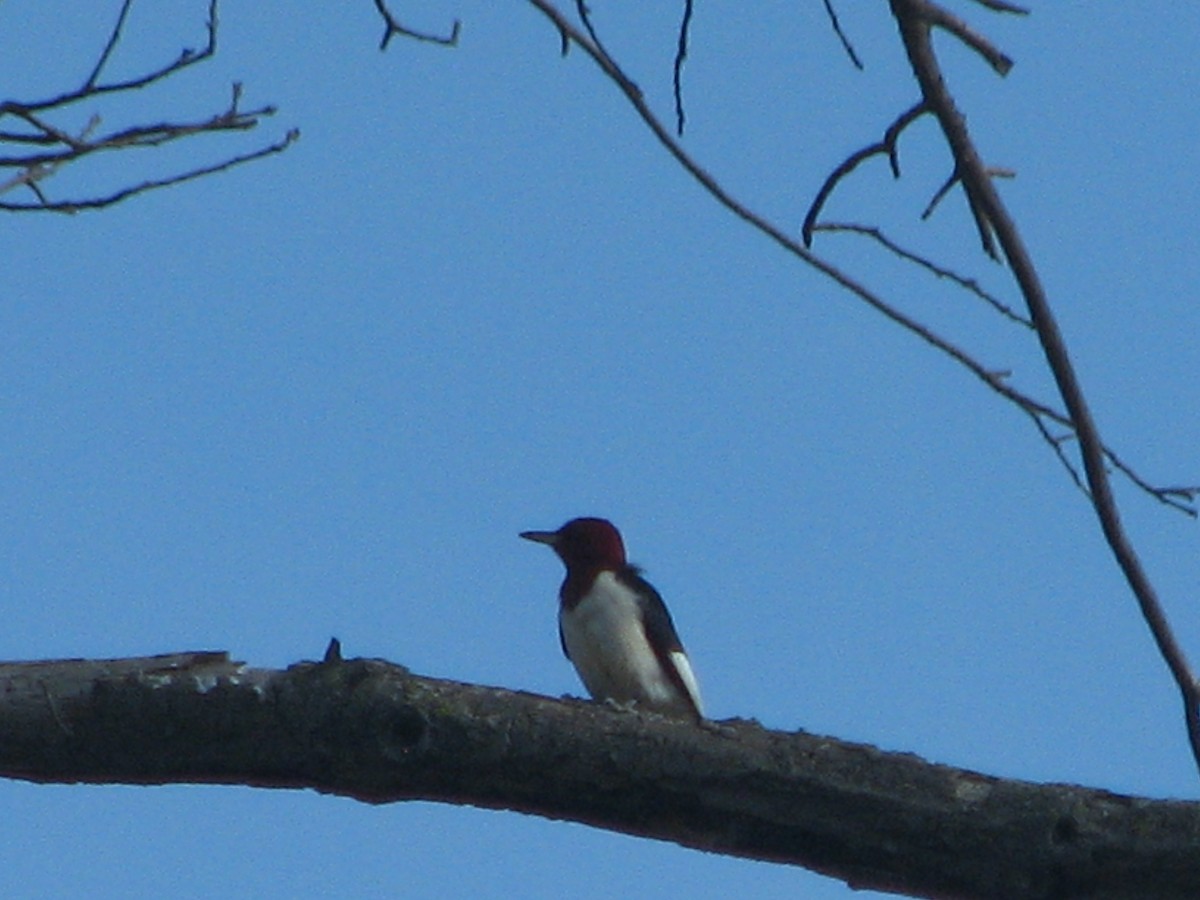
{"points": [[377, 733], [914, 18]]}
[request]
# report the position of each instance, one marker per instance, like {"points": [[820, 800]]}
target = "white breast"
{"points": [[605, 640]]}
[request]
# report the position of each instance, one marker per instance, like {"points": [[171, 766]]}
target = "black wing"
{"points": [[660, 630], [655, 617], [562, 640]]}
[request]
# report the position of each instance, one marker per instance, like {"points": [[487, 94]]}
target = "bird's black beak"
{"points": [[541, 537]]}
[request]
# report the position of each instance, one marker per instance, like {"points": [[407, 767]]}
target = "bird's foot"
{"points": [[625, 706], [717, 728]]}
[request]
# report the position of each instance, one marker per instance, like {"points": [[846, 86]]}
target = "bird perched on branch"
{"points": [[614, 626]]}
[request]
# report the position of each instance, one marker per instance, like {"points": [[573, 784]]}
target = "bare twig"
{"points": [[74, 206], [113, 37], [940, 194], [1180, 497], [393, 28], [681, 52], [1002, 6], [585, 16], [32, 173], [1056, 444], [58, 148], [946, 20], [886, 146], [139, 136], [90, 90], [914, 18], [837, 29], [969, 284]]}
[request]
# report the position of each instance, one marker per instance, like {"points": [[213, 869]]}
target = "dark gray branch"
{"points": [[375, 732]]}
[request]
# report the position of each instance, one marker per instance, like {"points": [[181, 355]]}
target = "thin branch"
{"points": [[569, 34], [946, 20], [1002, 6], [986, 239], [14, 137], [57, 147], [913, 17], [1056, 444], [37, 191], [628, 85], [393, 28], [1180, 497], [49, 134], [681, 52], [934, 15], [969, 284], [585, 16], [837, 29], [74, 206], [939, 195], [37, 171], [886, 146], [186, 58], [141, 136], [113, 37]]}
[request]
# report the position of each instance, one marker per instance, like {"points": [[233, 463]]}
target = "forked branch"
{"points": [[915, 18], [885, 147], [393, 27], [40, 148]]}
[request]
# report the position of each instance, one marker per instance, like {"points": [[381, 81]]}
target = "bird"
{"points": [[614, 627]]}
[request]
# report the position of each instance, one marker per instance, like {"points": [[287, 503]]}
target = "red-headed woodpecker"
{"points": [[615, 627]]}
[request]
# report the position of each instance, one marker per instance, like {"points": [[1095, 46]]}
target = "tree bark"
{"points": [[373, 731]]}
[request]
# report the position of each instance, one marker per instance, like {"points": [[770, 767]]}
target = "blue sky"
{"points": [[320, 395]]}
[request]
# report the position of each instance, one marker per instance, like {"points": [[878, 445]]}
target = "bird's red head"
{"points": [[584, 544]]}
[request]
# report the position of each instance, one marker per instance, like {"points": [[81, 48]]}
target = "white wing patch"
{"points": [[688, 677]]}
